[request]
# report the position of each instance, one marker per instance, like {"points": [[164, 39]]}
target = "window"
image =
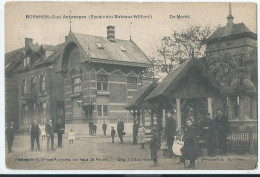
{"points": [[131, 80], [26, 61], [76, 85], [102, 82], [42, 84], [122, 48], [43, 109], [33, 85], [76, 109], [24, 87], [25, 113], [99, 46], [102, 111]]}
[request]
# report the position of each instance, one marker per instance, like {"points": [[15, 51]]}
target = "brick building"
{"points": [[86, 78]]}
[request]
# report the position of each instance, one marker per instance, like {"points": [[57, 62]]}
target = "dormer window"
{"points": [[99, 46], [26, 61], [48, 53], [122, 48]]}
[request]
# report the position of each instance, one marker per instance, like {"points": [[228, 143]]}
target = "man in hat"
{"points": [[35, 134], [135, 131], [113, 132], [104, 128], [50, 135], [222, 127], [9, 132], [154, 146], [207, 132], [60, 131], [189, 149], [120, 130], [170, 131]]}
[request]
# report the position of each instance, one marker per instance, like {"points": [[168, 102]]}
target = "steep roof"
{"points": [[101, 50], [237, 29], [13, 58], [180, 72], [140, 95]]}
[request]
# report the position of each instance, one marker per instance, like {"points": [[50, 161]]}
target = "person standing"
{"points": [[189, 149], [207, 132], [120, 130], [170, 131], [35, 134], [113, 132], [50, 135], [141, 136], [43, 133], [60, 131], [135, 132], [71, 136], [154, 146], [94, 130], [9, 132], [104, 128], [222, 128], [90, 125]]}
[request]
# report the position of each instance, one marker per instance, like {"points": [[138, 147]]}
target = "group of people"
{"points": [[37, 131], [185, 144], [120, 131]]}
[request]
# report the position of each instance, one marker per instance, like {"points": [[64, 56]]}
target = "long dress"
{"points": [[71, 136], [42, 128], [141, 135]]}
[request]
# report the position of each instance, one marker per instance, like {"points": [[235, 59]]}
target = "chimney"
{"points": [[28, 42], [111, 33]]}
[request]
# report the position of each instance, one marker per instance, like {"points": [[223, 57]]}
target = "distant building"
{"points": [[85, 79]]}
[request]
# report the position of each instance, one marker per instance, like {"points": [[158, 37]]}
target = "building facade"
{"points": [[85, 79]]}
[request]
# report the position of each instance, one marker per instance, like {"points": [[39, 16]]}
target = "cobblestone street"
{"points": [[89, 153]]}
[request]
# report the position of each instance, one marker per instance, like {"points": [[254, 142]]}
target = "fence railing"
{"points": [[242, 142]]}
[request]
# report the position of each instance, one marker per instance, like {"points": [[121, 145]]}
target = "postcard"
{"points": [[131, 86]]}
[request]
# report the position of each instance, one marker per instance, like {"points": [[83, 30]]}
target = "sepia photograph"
{"points": [[131, 86]]}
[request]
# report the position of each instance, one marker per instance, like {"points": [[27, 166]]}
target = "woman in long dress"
{"points": [[141, 136]]}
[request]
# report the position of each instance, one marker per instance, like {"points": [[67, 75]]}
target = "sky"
{"points": [[146, 33]]}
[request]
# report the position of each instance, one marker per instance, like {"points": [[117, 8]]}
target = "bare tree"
{"points": [[179, 47]]}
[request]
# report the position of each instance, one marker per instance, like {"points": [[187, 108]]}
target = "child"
{"points": [[154, 145], [164, 146], [71, 136], [141, 136], [178, 144], [113, 132], [43, 133]]}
